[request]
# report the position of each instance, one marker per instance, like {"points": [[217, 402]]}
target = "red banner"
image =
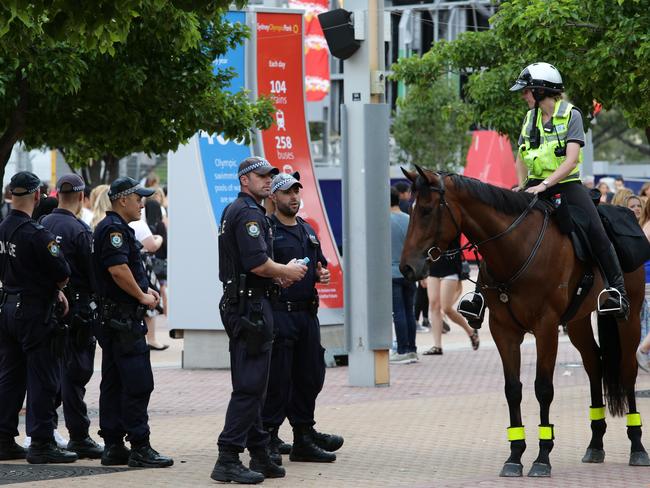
{"points": [[286, 145], [317, 55]]}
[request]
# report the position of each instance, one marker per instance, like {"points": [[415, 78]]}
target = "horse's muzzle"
{"points": [[413, 274]]}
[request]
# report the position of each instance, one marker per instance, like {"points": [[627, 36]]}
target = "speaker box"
{"points": [[339, 33]]}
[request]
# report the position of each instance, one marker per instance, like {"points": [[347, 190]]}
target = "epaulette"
{"points": [[37, 226]]}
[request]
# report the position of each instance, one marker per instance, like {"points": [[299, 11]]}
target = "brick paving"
{"points": [[441, 423]]}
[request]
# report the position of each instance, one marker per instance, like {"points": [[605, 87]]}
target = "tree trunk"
{"points": [[647, 133], [16, 126], [92, 173], [112, 168]]}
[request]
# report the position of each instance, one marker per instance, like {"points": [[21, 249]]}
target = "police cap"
{"points": [[70, 183], [125, 185], [23, 183], [257, 164], [285, 181]]}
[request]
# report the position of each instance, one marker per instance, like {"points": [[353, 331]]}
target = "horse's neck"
{"points": [[482, 222]]}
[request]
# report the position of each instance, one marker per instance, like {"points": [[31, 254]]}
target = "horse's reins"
{"points": [[502, 288]]}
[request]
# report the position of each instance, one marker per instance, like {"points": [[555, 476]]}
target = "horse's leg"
{"points": [[508, 341], [638, 454], [546, 343], [582, 338]]}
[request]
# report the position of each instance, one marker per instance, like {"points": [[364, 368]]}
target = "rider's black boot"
{"points": [[616, 303], [473, 308]]}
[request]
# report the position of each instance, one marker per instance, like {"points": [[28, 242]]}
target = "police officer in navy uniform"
{"points": [[33, 272], [247, 271], [75, 239], [297, 363], [123, 289]]}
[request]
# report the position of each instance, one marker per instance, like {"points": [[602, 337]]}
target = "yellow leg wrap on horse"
{"points": [[596, 413], [634, 420], [516, 433], [546, 432]]}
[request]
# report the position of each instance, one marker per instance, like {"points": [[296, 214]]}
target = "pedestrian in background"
{"points": [[403, 289]]}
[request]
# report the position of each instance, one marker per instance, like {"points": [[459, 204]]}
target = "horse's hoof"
{"points": [[511, 470], [540, 470], [639, 458], [594, 456]]}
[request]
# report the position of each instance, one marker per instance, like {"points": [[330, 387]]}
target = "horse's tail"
{"points": [[610, 354]]}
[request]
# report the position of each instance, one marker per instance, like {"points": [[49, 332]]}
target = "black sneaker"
{"points": [[327, 442], [229, 468], [261, 462], [147, 457], [45, 452], [86, 448], [10, 450], [115, 455]]}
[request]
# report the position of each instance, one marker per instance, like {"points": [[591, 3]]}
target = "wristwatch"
{"points": [[546, 183]]}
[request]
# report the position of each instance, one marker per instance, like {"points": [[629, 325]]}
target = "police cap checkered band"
{"points": [[257, 164], [74, 183], [25, 180], [285, 181], [125, 185]]}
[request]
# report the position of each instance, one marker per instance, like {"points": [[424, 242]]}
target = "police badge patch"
{"points": [[54, 249], [116, 239], [253, 229]]}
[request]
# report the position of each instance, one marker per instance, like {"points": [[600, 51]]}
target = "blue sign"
{"points": [[220, 157]]}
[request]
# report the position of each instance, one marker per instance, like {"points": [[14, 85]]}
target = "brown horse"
{"points": [[529, 276]]}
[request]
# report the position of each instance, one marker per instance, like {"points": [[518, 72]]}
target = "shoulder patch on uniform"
{"points": [[116, 239], [253, 228], [54, 249]]}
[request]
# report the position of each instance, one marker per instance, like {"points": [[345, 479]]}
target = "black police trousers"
{"points": [[297, 370], [125, 389], [76, 371], [250, 376], [27, 365]]}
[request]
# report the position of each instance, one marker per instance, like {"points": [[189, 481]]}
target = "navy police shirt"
{"points": [[114, 243], [244, 241], [31, 261], [297, 241], [75, 239]]}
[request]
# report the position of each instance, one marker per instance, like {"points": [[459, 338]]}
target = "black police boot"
{"points": [[46, 451], [327, 442], [274, 445], [229, 468], [10, 450], [116, 454], [305, 450], [146, 456], [86, 448], [473, 309], [262, 463], [616, 303]]}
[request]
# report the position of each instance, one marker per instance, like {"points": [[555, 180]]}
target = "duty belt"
{"points": [[230, 291], [297, 306]]}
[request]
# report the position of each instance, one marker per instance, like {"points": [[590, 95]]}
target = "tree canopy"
{"points": [[601, 47], [146, 90]]}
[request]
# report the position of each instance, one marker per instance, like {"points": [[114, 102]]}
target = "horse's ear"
{"points": [[421, 172], [410, 175]]}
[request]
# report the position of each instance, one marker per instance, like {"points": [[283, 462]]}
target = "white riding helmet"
{"points": [[539, 75]]}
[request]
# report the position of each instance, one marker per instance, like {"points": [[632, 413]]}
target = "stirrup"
{"points": [[470, 314], [614, 294]]}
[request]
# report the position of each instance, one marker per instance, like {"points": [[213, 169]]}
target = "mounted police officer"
{"points": [[33, 272], [297, 363], [550, 152], [75, 239], [123, 289], [247, 271]]}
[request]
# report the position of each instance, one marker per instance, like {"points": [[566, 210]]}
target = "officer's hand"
{"points": [[517, 188], [148, 300], [323, 274], [536, 189], [61, 298], [153, 292], [294, 271]]}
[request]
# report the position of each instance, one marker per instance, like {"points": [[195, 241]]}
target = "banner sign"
{"points": [[317, 55], [220, 157], [286, 144]]}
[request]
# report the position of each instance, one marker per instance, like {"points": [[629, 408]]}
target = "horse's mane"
{"points": [[501, 199]]}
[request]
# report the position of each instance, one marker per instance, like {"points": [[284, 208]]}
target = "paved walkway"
{"points": [[441, 423]]}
